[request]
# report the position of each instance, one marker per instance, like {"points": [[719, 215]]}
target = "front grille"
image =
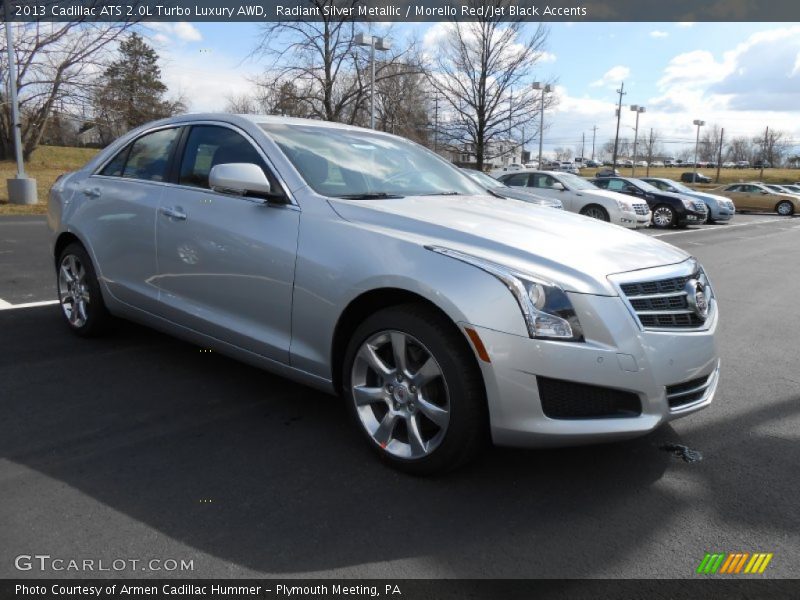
{"points": [[687, 392], [568, 400], [700, 206], [641, 208], [663, 303], [664, 286]]}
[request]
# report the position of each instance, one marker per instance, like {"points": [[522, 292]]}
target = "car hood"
{"points": [[509, 192], [574, 251], [704, 196], [611, 195]]}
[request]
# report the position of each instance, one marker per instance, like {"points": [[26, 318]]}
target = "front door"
{"points": [[226, 263]]}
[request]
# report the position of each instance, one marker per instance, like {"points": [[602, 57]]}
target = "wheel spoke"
{"points": [[368, 395], [73, 269], [415, 440], [367, 353], [383, 434], [426, 373], [66, 274], [435, 413], [82, 310], [399, 351]]}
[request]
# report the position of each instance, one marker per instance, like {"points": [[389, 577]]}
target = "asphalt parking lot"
{"points": [[138, 446]]}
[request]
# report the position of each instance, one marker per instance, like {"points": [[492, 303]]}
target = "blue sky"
{"points": [[740, 76]]}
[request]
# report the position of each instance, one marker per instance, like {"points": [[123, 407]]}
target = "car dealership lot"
{"points": [[138, 446]]}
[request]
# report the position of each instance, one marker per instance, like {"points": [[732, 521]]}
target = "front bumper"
{"points": [[633, 220], [617, 354], [721, 214], [691, 216]]}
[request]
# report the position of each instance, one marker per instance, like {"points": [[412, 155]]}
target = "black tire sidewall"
{"points": [[97, 316], [468, 427]]}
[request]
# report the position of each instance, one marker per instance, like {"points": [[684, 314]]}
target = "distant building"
{"points": [[499, 153], [90, 137]]}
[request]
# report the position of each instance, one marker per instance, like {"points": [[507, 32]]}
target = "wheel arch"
{"points": [[64, 239], [370, 302]]}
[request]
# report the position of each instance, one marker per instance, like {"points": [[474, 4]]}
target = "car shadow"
{"points": [[271, 476]]}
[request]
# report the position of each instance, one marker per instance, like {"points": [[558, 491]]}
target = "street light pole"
{"points": [[21, 189], [546, 89], [699, 124], [374, 43], [638, 110]]}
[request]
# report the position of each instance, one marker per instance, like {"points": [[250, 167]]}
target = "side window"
{"points": [[616, 185], [601, 183], [114, 168], [208, 146], [517, 180], [733, 188], [150, 154]]}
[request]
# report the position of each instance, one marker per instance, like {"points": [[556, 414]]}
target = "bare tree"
{"points": [[708, 150], [740, 149], [321, 59], [482, 70], [774, 146], [56, 68], [403, 102], [563, 153], [651, 147]]}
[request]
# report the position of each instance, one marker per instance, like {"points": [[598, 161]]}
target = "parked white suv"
{"points": [[580, 196]]}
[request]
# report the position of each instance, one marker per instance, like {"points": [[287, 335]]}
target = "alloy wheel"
{"points": [[73, 290], [596, 212], [785, 209], [662, 217], [400, 394]]}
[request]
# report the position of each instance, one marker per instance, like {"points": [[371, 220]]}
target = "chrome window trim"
{"points": [[291, 200]]}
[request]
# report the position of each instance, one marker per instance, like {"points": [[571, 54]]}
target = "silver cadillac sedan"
{"points": [[367, 266]]}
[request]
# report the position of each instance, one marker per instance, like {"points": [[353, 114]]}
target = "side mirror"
{"points": [[559, 186], [764, 192], [239, 178]]}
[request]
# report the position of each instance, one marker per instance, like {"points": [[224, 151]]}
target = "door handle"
{"points": [[92, 192], [173, 213]]}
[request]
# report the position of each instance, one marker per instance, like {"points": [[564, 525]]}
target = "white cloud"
{"points": [[165, 33], [546, 57], [612, 77], [658, 34]]}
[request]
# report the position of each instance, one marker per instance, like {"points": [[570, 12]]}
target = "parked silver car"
{"points": [[362, 264]]}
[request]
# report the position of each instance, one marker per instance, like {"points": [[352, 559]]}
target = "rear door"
{"points": [[226, 262], [119, 215]]}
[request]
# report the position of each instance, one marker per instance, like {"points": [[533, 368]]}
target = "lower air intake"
{"points": [[567, 400]]}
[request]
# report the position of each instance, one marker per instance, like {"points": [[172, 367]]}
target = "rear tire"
{"points": [[785, 208], [414, 389], [79, 292]]}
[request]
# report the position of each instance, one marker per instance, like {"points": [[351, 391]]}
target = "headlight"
{"points": [[625, 206], [547, 311], [688, 203]]}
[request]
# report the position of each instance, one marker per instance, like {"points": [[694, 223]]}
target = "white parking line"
{"points": [[8, 306], [719, 227]]}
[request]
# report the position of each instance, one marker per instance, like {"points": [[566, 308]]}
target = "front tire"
{"points": [[414, 389], [785, 208], [663, 217], [595, 212], [79, 292]]}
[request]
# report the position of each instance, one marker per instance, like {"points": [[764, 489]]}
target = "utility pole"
{"points": [[621, 92], [583, 146], [594, 134], [436, 122], [719, 156], [649, 152], [764, 153]]}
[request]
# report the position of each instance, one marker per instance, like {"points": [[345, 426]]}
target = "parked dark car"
{"points": [[669, 209], [592, 164], [694, 177], [607, 173]]}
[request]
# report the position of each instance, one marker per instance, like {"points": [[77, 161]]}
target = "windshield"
{"points": [[576, 183], [359, 164], [644, 186], [483, 179], [680, 187]]}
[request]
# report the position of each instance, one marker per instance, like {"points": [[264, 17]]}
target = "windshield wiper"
{"points": [[368, 196], [442, 194]]}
